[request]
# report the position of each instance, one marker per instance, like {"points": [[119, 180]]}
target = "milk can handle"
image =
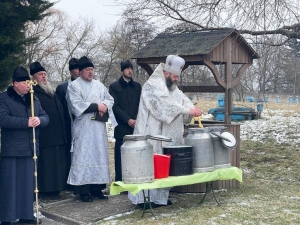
{"points": [[220, 136]]}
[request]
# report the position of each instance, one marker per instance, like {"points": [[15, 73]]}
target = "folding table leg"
{"points": [[147, 201], [209, 185]]}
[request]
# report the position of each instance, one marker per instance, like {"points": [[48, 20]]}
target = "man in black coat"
{"points": [[61, 91], [17, 150], [126, 94], [52, 161]]}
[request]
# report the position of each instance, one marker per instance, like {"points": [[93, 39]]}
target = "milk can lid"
{"points": [[159, 138], [197, 130], [139, 137], [215, 128], [228, 144], [134, 137]]}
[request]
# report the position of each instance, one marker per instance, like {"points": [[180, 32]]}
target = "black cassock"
{"points": [[16, 188]]}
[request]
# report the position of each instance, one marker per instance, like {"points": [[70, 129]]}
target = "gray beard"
{"points": [[172, 88], [47, 88]]}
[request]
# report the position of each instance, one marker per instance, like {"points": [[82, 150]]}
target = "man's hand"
{"points": [[131, 123], [195, 112], [102, 108], [33, 122]]}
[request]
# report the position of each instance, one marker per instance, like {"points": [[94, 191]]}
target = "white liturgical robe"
{"points": [[161, 112], [90, 162]]}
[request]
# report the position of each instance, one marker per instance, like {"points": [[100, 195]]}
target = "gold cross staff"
{"points": [[32, 83]]}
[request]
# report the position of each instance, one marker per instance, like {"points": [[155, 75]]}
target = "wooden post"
{"points": [[228, 78]]}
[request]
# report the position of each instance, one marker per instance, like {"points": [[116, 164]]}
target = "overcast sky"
{"points": [[105, 12]]}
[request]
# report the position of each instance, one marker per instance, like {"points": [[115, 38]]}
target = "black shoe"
{"points": [[147, 206], [5, 223], [168, 203], [86, 198], [99, 195], [33, 221]]}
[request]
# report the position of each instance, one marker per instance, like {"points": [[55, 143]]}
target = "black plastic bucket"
{"points": [[181, 159]]}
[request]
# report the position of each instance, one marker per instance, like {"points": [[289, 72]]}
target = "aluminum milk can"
{"points": [[221, 153], [203, 153], [137, 158]]}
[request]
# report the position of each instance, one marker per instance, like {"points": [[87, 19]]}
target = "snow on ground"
{"points": [[280, 125]]}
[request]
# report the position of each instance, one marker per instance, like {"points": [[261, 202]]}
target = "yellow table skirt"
{"points": [[219, 174]]}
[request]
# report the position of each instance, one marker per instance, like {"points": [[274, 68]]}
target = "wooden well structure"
{"points": [[210, 48]]}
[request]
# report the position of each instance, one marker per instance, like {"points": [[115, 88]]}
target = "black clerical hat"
{"points": [[84, 62], [73, 64], [126, 64], [20, 74], [36, 67]]}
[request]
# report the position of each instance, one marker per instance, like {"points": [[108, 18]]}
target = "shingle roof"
{"points": [[196, 43]]}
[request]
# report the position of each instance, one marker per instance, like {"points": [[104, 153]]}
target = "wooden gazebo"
{"points": [[209, 48]]}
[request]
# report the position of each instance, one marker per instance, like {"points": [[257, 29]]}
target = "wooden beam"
{"points": [[186, 65], [228, 76], [216, 73], [202, 89], [146, 67], [241, 70], [151, 60]]}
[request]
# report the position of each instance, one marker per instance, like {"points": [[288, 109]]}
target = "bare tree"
{"points": [[61, 39], [253, 17], [47, 31], [78, 38], [121, 42]]}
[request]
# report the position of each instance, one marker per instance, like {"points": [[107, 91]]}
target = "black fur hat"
{"points": [[73, 64], [36, 67], [126, 64], [20, 74], [84, 62]]}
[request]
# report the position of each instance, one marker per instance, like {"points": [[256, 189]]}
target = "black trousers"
{"points": [[118, 163], [88, 188]]}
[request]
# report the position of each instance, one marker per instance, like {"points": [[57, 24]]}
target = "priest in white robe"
{"points": [[162, 111], [87, 98]]}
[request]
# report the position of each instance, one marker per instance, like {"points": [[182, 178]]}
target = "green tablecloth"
{"points": [[218, 174]]}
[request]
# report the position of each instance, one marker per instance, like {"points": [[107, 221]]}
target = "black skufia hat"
{"points": [[73, 64], [20, 74], [126, 64], [36, 67], [84, 62]]}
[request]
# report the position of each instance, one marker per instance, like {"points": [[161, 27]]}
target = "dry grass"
{"points": [[205, 105], [269, 193]]}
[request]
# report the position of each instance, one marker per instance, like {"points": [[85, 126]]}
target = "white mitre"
{"points": [[174, 64]]}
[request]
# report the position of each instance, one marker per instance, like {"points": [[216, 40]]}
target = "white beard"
{"points": [[47, 88]]}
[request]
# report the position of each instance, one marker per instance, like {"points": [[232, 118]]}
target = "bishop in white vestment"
{"points": [[162, 111]]}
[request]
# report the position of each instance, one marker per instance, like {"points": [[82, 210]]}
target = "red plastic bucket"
{"points": [[161, 165]]}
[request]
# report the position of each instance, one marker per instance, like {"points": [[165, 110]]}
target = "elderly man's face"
{"points": [[87, 73], [41, 77]]}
